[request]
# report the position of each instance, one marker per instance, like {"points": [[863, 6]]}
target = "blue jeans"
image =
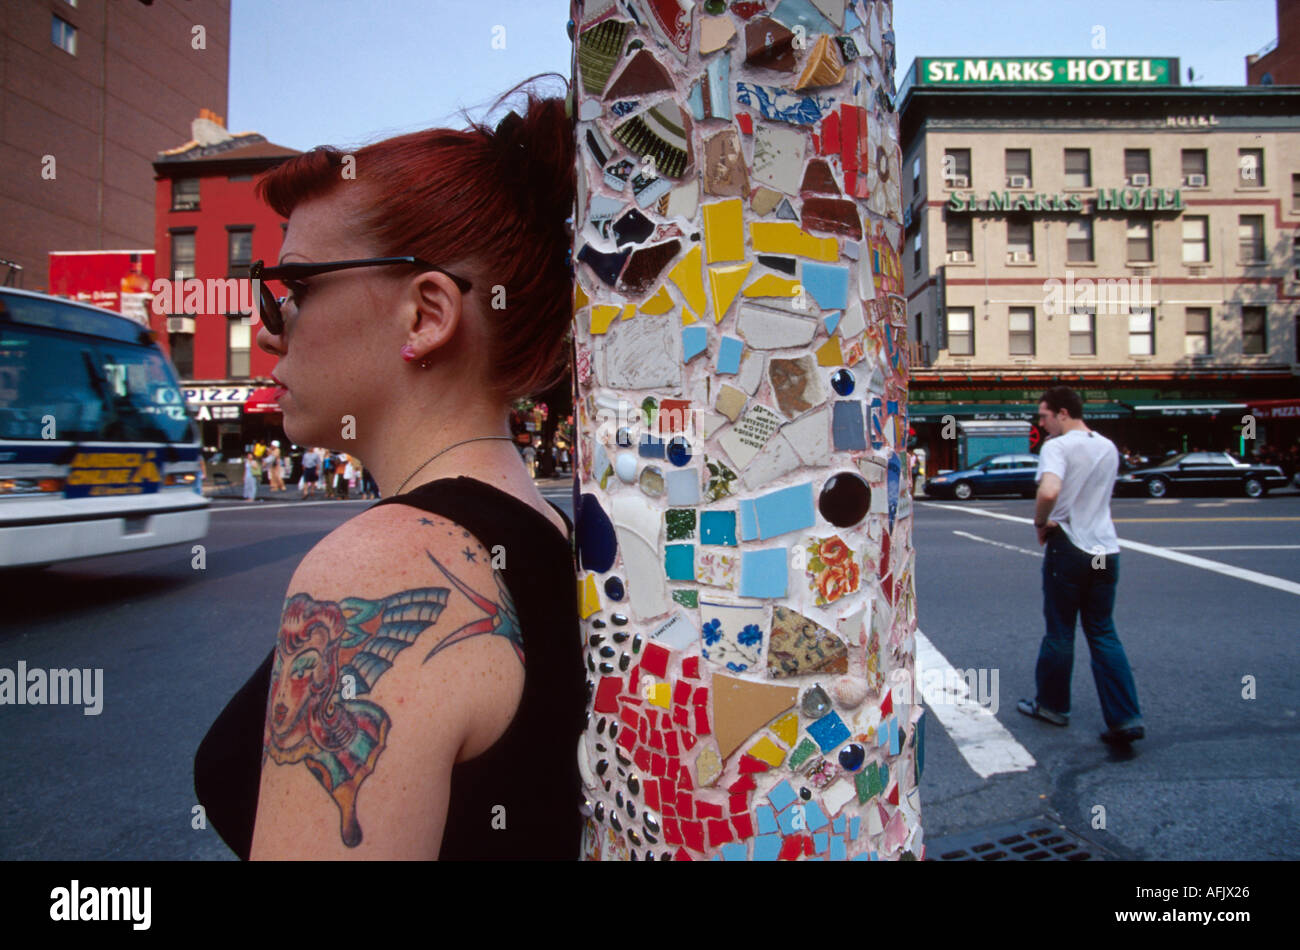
{"points": [[1073, 586]]}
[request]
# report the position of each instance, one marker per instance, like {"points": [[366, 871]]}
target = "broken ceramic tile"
{"points": [[641, 76], [715, 33], [681, 201], [764, 573], [764, 201], [769, 44], [724, 165], [724, 231], [777, 104], [832, 569], [718, 527], [730, 349], [635, 520], [810, 437], [645, 266], [783, 237], [671, 20], [683, 485], [721, 479], [817, 179], [824, 66], [852, 323], [604, 264], [732, 635], [741, 708], [805, 13], [796, 384], [836, 215], [751, 371], [641, 354], [632, 228], [767, 328], [799, 646], [725, 280], [599, 49], [695, 340], [786, 265], [779, 157], [742, 441], [730, 401], [775, 459], [829, 353], [848, 428], [708, 766], [828, 284], [679, 562], [717, 568], [680, 524], [777, 512], [786, 210], [661, 133], [718, 76], [687, 278]]}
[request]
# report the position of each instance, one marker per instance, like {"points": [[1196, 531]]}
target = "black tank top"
{"points": [[531, 771]]}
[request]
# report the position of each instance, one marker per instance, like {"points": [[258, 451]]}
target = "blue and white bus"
{"points": [[98, 454]]}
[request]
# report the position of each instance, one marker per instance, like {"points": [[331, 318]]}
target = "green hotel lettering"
{"points": [[1108, 199]]}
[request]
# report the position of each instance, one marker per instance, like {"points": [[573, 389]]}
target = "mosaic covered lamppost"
{"points": [[744, 519]]}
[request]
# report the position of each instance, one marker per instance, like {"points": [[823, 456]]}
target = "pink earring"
{"points": [[408, 352]]}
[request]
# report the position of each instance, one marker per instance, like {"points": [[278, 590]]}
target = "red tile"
{"points": [[656, 739], [887, 706], [701, 695], [642, 730], [688, 739], [667, 810], [831, 134], [633, 679], [682, 691], [744, 825], [691, 667], [652, 715], [685, 805], [652, 795], [684, 780], [674, 768], [708, 809], [655, 659], [627, 739], [738, 802], [719, 833], [743, 784], [682, 717], [701, 721], [750, 765], [658, 765], [642, 759], [791, 848], [681, 855], [672, 834], [670, 742], [849, 139], [893, 795], [673, 413], [693, 834], [607, 694], [629, 715], [746, 123], [809, 848], [817, 145]]}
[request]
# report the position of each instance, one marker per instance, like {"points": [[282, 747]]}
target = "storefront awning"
{"points": [[263, 400], [1188, 408], [1009, 410], [1275, 408]]}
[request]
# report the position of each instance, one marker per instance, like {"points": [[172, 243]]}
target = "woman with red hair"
{"points": [[428, 287]]}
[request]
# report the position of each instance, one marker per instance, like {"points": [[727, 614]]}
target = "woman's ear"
{"points": [[437, 308]]}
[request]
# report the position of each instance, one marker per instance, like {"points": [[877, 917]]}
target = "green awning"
{"points": [[1187, 407], [1009, 410]]}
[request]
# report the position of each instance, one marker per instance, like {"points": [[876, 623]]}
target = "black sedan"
{"points": [[994, 475], [1205, 472]]}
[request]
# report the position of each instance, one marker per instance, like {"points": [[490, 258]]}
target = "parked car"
{"points": [[993, 475], [1201, 471]]}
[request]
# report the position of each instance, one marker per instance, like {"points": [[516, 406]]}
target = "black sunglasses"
{"points": [[269, 304]]}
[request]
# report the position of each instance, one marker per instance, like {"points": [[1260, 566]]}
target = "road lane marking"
{"points": [[1234, 547], [1011, 547], [1163, 501], [1254, 577], [986, 745], [1225, 518]]}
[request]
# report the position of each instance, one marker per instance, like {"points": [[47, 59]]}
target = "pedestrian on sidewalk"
{"points": [[327, 466], [275, 467], [252, 475], [530, 459], [1076, 475], [310, 471]]}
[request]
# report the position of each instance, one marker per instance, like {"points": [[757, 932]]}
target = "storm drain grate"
{"points": [[1031, 839]]}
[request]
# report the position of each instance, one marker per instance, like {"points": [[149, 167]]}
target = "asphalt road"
{"points": [[1214, 779]]}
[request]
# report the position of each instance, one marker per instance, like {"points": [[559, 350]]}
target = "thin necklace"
{"points": [[481, 438]]}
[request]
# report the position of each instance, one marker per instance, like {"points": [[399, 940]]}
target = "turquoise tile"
{"points": [[718, 527], [729, 353], [766, 819], [764, 573], [679, 562], [767, 847], [828, 284], [781, 796]]}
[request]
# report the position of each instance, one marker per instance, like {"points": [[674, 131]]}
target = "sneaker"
{"points": [[1031, 708], [1123, 736]]}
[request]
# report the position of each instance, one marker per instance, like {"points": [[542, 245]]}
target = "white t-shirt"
{"points": [[1087, 464]]}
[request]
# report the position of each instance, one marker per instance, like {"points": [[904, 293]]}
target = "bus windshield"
{"points": [[71, 387]]}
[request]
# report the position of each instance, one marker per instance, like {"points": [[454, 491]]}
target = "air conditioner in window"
{"points": [[180, 324], [1017, 181], [1198, 270], [958, 181], [959, 257], [1020, 257], [1139, 180], [1195, 181]]}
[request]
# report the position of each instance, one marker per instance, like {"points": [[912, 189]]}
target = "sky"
{"points": [[349, 72]]}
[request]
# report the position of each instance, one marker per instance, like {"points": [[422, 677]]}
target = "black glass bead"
{"points": [[606, 669], [596, 639], [613, 730], [601, 724], [650, 839], [602, 767], [613, 820], [585, 809], [618, 754], [623, 437], [607, 652], [634, 45], [634, 838], [651, 822], [568, 28], [600, 811], [852, 756], [844, 499], [621, 636], [599, 624], [624, 662], [631, 809], [679, 451], [614, 588], [620, 620], [591, 665], [805, 793], [842, 382], [636, 643], [634, 785], [600, 747], [618, 798], [622, 772], [608, 786]]}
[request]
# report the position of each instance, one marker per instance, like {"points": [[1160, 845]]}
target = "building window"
{"points": [[182, 350], [1295, 192], [961, 331], [1250, 167], [1078, 240], [63, 34], [1196, 339], [1078, 168], [1019, 169], [959, 239], [1142, 333], [956, 168], [916, 252], [185, 194], [182, 254], [240, 337], [1295, 258], [1140, 250], [1137, 167], [1020, 240], [1196, 239], [1083, 335], [916, 176], [1250, 237], [1022, 331], [1196, 168], [239, 251], [1254, 331]]}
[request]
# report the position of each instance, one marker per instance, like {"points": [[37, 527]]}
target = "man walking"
{"points": [[1076, 475], [310, 469]]}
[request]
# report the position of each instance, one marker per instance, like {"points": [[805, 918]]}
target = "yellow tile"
{"points": [[730, 401], [786, 237], [686, 275], [829, 354], [725, 282], [588, 599], [660, 303], [661, 695], [688, 318], [602, 315], [629, 311], [724, 230], [765, 750], [787, 728], [580, 298], [769, 285]]}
